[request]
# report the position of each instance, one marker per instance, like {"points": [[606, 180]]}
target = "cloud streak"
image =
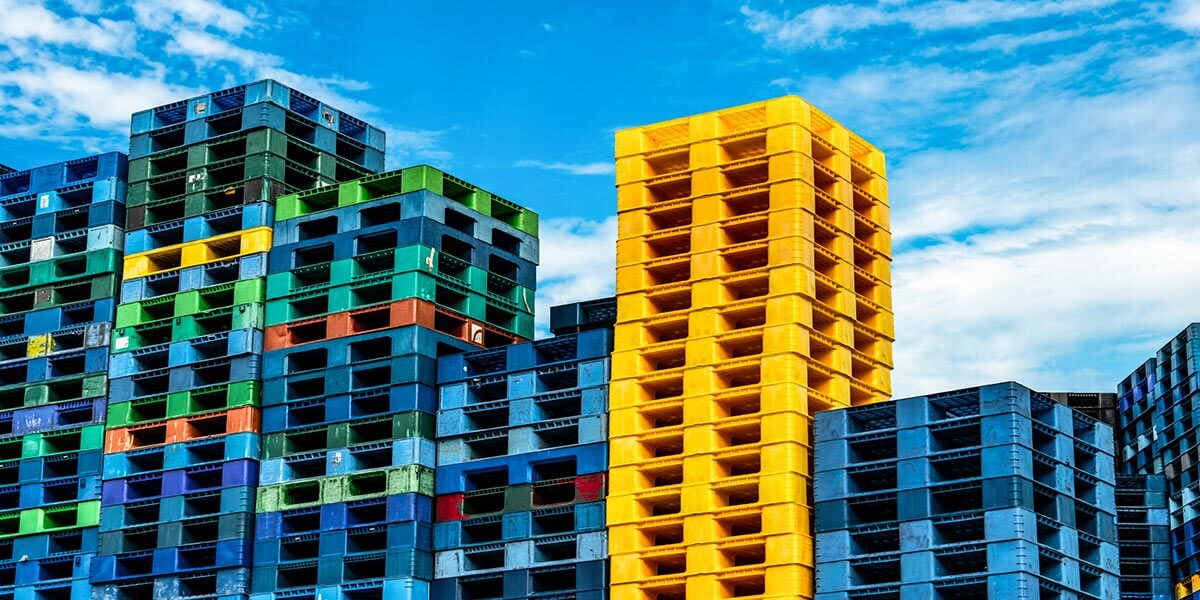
{"points": [[593, 168]]}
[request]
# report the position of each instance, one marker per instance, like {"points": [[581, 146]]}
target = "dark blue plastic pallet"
{"points": [[228, 220], [420, 204], [97, 214], [279, 412], [207, 584], [58, 466], [169, 561], [356, 350], [348, 543], [510, 527], [489, 389], [60, 491], [188, 377], [182, 455], [61, 364], [338, 570], [377, 511], [503, 471], [522, 411], [344, 461], [194, 277], [214, 346], [176, 508], [45, 181], [526, 356], [523, 439], [46, 320], [182, 481], [198, 530], [395, 588], [582, 581], [385, 235], [38, 419]]}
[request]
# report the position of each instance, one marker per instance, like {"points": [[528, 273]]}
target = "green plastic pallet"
{"points": [[346, 488], [213, 398], [409, 424], [62, 441], [59, 294], [165, 331], [403, 181], [57, 270], [63, 517], [182, 304], [221, 195], [62, 389]]}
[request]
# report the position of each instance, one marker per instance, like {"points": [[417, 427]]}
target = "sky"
{"points": [[1042, 154]]}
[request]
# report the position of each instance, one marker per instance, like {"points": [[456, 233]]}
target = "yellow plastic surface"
{"points": [[189, 254]]}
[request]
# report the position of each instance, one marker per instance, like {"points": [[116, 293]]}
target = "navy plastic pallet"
{"points": [[346, 406], [376, 511], [267, 90], [176, 508], [169, 561], [526, 356], [388, 233], [37, 419], [524, 439], [356, 350], [59, 491], [194, 277], [579, 402], [46, 320], [583, 316], [344, 461], [208, 584], [191, 229], [525, 468], [338, 570], [509, 527], [489, 389], [182, 455], [581, 581], [214, 346], [406, 535], [198, 530], [65, 209], [188, 377], [423, 203], [49, 178], [63, 364], [182, 481]]}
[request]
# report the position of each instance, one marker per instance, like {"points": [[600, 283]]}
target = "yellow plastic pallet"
{"points": [[189, 254]]}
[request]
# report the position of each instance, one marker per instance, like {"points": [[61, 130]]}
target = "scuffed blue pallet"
{"points": [[215, 346], [57, 466], [343, 461], [348, 543], [185, 378], [191, 480], [527, 410], [99, 213], [174, 508], [581, 581], [280, 415], [526, 356], [376, 511], [418, 204], [395, 588], [45, 181], [525, 468], [354, 351], [488, 389], [37, 419], [169, 561], [61, 364], [196, 530], [195, 277], [191, 229], [513, 441], [208, 584], [181, 455], [46, 320], [521, 554], [338, 570], [515, 526]]}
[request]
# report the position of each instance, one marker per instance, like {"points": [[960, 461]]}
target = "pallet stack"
{"points": [[1101, 406], [522, 459], [61, 230], [1143, 533], [977, 493], [182, 444], [753, 289], [370, 283]]}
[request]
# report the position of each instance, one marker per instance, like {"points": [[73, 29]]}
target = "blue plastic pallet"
{"points": [[376, 511], [344, 461], [214, 346], [513, 441], [337, 570], [419, 204], [45, 545], [49, 178], [63, 588], [197, 530], [521, 554], [390, 234], [70, 464], [98, 214], [376, 375], [526, 356], [209, 584], [509, 527], [168, 561], [581, 581], [191, 480], [182, 455], [175, 508], [488, 389], [396, 588], [525, 468], [194, 277], [191, 229], [187, 377], [38, 419], [51, 319], [358, 349], [62, 364], [579, 402], [348, 543], [324, 411], [221, 102], [60, 491]]}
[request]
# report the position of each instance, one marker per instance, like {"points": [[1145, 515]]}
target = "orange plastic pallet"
{"points": [[183, 429]]}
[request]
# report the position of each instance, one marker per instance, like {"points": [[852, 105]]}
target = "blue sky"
{"points": [[1041, 154]]}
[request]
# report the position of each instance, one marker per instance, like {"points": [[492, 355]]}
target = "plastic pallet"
{"points": [[189, 377], [516, 526], [346, 488], [206, 198], [524, 554], [420, 203], [215, 104], [359, 349], [513, 441], [80, 337], [209, 584], [176, 508], [58, 272], [345, 406], [385, 376], [194, 278], [380, 510], [68, 243], [288, 440], [182, 404], [392, 588], [401, 313], [526, 357], [54, 492], [193, 229], [71, 291], [65, 389], [404, 181], [62, 441], [389, 231], [218, 449], [47, 179], [347, 461], [554, 379], [190, 254], [179, 482], [56, 366], [199, 301], [55, 318], [69, 208], [566, 319], [214, 346], [337, 570], [39, 419], [244, 419], [581, 581], [348, 543], [62, 517], [167, 561], [189, 328], [521, 498], [199, 530], [60, 466], [48, 545], [97, 214], [529, 410]]}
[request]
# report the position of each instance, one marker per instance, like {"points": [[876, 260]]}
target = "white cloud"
{"points": [[1184, 14], [594, 168], [578, 262], [207, 48], [1006, 42], [163, 15], [32, 23], [407, 146], [823, 25]]}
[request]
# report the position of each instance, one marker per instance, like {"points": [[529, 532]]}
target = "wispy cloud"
{"points": [[578, 262], [593, 168]]}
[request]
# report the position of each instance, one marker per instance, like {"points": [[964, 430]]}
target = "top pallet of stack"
{"points": [[50, 178], [265, 103]]}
